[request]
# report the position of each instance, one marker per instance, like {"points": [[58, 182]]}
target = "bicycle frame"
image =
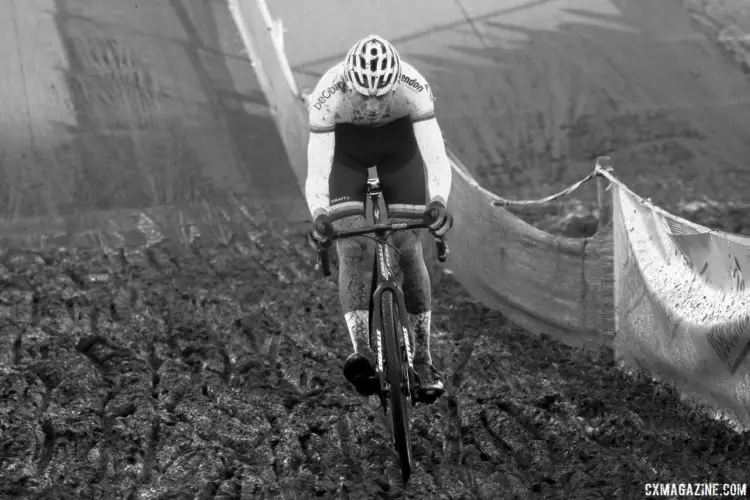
{"points": [[384, 280]]}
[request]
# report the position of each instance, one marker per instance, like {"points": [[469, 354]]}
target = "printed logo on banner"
{"points": [[703, 270], [731, 342], [738, 281], [686, 261]]}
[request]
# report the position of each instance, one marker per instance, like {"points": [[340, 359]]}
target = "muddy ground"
{"points": [[215, 372]]}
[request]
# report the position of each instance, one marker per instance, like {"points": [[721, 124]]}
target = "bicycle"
{"points": [[394, 356]]}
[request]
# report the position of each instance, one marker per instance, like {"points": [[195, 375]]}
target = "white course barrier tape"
{"points": [[502, 202]]}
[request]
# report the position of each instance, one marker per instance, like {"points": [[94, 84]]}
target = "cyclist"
{"points": [[375, 110]]}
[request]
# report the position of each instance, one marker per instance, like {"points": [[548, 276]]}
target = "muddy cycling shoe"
{"points": [[359, 370], [430, 383]]}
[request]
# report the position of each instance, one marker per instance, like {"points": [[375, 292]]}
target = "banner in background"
{"points": [[682, 311], [720, 261]]}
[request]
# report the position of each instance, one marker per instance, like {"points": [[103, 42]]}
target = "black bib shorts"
{"points": [[393, 150]]}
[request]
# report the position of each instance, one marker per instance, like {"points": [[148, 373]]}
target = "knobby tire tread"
{"points": [[394, 367]]}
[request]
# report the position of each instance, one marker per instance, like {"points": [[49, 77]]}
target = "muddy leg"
{"points": [[353, 288], [417, 293]]}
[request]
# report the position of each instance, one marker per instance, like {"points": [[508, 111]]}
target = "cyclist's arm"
{"points": [[438, 168], [429, 137], [323, 103], [320, 149]]}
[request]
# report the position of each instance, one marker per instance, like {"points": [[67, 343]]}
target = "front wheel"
{"points": [[397, 374]]}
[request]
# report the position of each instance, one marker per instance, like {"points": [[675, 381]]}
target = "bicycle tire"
{"points": [[396, 375], [373, 287]]}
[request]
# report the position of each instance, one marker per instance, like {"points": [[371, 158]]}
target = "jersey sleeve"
{"points": [[320, 149], [419, 94], [324, 102], [428, 134], [322, 108], [437, 166]]}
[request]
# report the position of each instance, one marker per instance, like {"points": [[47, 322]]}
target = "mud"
{"points": [[215, 372]]}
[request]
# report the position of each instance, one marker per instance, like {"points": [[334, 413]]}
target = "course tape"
{"points": [[578, 290], [502, 202]]}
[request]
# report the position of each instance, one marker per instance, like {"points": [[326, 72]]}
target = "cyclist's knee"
{"points": [[408, 243], [352, 248], [349, 222]]}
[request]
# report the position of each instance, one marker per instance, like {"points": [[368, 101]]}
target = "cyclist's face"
{"points": [[373, 108]]}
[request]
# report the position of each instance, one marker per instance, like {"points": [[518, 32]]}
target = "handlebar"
{"points": [[323, 258]]}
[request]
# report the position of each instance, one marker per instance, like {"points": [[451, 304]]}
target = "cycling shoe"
{"points": [[359, 370], [429, 383]]}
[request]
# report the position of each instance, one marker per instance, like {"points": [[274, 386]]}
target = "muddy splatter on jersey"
{"points": [[332, 102]]}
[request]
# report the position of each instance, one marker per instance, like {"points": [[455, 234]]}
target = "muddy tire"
{"points": [[396, 373]]}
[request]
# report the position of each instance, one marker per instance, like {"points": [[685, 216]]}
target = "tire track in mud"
{"points": [[214, 371], [163, 373]]}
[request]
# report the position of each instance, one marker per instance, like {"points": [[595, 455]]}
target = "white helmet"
{"points": [[373, 67]]}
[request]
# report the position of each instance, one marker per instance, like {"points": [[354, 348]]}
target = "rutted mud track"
{"points": [[216, 373]]}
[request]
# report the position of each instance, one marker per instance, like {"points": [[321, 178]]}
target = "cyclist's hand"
{"points": [[319, 236], [438, 219]]}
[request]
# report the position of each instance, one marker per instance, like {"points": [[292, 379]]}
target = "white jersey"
{"points": [[332, 102]]}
